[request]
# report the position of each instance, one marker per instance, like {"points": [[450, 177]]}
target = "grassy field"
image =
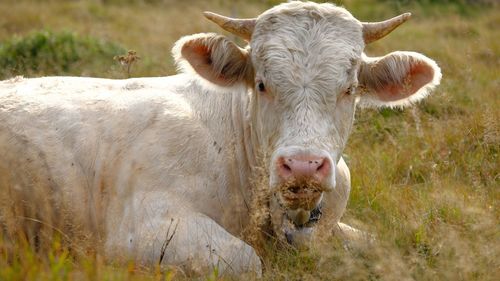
{"points": [[426, 180]]}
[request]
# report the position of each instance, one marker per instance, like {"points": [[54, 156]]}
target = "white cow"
{"points": [[179, 170]]}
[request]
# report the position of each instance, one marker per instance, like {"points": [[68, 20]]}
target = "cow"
{"points": [[178, 170]]}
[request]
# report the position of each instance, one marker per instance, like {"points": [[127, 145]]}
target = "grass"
{"points": [[64, 53], [425, 179]]}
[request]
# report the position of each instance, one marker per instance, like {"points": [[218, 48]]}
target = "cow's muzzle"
{"points": [[299, 178], [314, 167], [301, 175]]}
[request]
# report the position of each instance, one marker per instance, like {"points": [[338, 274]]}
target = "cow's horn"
{"points": [[372, 31], [240, 27]]}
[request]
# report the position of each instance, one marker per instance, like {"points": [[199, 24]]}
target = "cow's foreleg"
{"points": [[339, 198], [335, 203], [190, 241]]}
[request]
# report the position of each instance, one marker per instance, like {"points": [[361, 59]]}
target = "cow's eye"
{"points": [[261, 87]]}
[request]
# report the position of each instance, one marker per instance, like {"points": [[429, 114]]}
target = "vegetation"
{"points": [[64, 53], [425, 179]]}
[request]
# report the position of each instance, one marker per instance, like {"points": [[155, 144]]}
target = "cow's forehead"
{"points": [[295, 39]]}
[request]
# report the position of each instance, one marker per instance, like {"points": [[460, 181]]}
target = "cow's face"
{"points": [[306, 66], [305, 59]]}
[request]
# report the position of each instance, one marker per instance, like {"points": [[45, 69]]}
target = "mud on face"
{"points": [[280, 213], [303, 194]]}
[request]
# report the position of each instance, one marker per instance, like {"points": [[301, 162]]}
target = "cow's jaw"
{"points": [[295, 226]]}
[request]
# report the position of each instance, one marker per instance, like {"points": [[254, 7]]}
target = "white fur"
{"points": [[129, 157]]}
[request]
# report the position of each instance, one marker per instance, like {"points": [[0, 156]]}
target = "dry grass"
{"points": [[425, 180]]}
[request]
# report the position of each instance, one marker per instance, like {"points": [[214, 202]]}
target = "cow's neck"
{"points": [[252, 161], [238, 158], [245, 141]]}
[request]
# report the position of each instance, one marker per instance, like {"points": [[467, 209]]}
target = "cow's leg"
{"points": [[335, 204], [155, 234], [335, 201], [350, 233], [340, 197]]}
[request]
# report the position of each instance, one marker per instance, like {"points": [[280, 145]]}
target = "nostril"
{"points": [[324, 168], [287, 167], [320, 166]]}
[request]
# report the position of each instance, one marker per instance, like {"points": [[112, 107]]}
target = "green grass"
{"points": [[425, 179], [64, 53]]}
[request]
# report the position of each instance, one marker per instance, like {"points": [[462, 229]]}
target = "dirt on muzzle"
{"points": [[302, 193]]}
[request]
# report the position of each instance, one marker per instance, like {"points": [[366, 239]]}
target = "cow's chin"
{"points": [[295, 211]]}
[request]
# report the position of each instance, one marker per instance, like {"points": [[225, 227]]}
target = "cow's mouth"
{"points": [[301, 194], [295, 226], [299, 235], [302, 218], [298, 209], [301, 198]]}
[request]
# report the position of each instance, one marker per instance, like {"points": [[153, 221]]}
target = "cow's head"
{"points": [[306, 67]]}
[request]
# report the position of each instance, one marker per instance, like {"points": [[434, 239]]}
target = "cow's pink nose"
{"points": [[304, 167]]}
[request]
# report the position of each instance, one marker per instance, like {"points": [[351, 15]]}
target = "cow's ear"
{"points": [[213, 57], [397, 79]]}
